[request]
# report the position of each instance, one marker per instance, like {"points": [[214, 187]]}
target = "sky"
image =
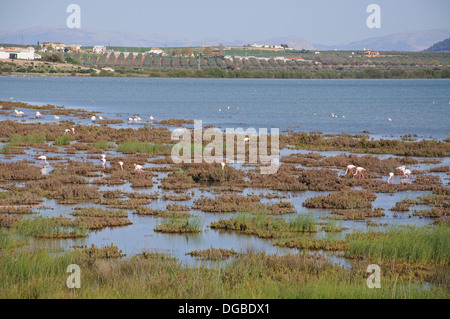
{"points": [[320, 21]]}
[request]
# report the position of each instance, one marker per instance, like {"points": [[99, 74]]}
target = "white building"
{"points": [[56, 46], [17, 53], [156, 51], [99, 49]]}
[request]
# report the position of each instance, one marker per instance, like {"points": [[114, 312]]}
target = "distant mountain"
{"points": [[441, 46], [292, 41], [89, 37], [404, 41]]}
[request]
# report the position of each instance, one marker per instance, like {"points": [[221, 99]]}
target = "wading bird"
{"points": [[66, 131], [359, 171], [73, 130], [152, 118], [390, 177], [138, 168], [56, 117], [43, 159], [38, 114], [400, 169], [93, 118], [103, 160], [349, 169], [407, 174], [223, 165], [120, 164]]}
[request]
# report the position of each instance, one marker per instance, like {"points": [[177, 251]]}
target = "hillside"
{"points": [[404, 41], [441, 46]]}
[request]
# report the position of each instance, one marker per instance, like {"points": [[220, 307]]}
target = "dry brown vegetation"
{"points": [[345, 199]]}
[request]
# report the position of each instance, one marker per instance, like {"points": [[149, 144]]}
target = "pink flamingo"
{"points": [[121, 165], [43, 159], [103, 160], [349, 169], [359, 172], [138, 168], [390, 177], [407, 174], [400, 169]]}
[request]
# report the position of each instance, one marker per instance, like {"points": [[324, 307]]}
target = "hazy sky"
{"points": [[318, 21]]}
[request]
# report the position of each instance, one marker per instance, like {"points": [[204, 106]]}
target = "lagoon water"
{"points": [[419, 107], [416, 106]]}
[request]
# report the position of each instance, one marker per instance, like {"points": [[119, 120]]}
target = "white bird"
{"points": [[228, 107], [103, 156], [93, 118], [56, 117], [390, 177], [66, 131], [100, 118], [120, 164], [400, 169], [137, 118], [151, 118], [220, 110], [389, 119], [223, 165], [359, 171], [73, 130], [138, 168], [349, 169], [407, 173], [38, 114], [43, 159]]}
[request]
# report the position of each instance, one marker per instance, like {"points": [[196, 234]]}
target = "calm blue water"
{"points": [[419, 107]]}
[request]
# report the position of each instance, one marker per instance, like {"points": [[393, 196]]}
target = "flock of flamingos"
{"points": [[359, 171], [401, 170]]}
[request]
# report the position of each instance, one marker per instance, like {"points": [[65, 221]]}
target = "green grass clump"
{"points": [[303, 223], [45, 227], [63, 140], [104, 145], [146, 148], [17, 139], [415, 244], [180, 225], [265, 226]]}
